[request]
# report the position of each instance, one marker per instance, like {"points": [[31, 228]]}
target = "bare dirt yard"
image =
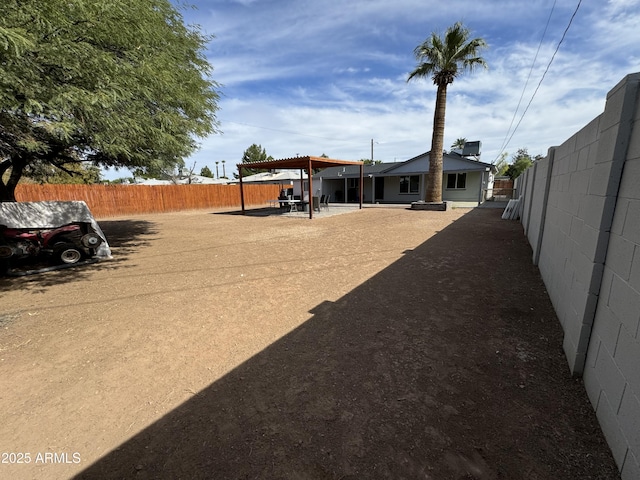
{"points": [[381, 343]]}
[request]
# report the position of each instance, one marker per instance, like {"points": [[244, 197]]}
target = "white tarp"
{"points": [[45, 215]]}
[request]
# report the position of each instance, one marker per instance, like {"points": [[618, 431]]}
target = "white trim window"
{"points": [[456, 181], [410, 184]]}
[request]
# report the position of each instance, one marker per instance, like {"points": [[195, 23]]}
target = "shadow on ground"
{"points": [[127, 235], [124, 238], [287, 213], [446, 365]]}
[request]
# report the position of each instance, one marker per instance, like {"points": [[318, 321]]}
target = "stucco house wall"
{"points": [[392, 191], [471, 194]]}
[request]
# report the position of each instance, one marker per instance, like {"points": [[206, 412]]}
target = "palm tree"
{"points": [[459, 143], [443, 59]]}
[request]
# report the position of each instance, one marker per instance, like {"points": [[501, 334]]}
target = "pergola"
{"points": [[301, 163]]}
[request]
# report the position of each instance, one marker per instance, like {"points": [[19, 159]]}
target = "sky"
{"points": [[309, 77]]}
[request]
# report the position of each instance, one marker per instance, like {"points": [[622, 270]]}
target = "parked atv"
{"points": [[64, 245]]}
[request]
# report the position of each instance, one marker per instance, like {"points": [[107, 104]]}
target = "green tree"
{"points": [[502, 165], [121, 181], [40, 172], [206, 172], [459, 143], [160, 171], [519, 163], [255, 153], [118, 83], [443, 59]]}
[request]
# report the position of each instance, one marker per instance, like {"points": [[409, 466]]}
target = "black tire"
{"points": [[91, 240], [67, 254], [6, 252]]}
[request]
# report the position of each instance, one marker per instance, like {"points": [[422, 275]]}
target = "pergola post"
{"points": [[361, 184], [241, 188], [310, 189]]}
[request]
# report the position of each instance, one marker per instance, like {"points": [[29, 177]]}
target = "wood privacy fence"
{"points": [[117, 200]]}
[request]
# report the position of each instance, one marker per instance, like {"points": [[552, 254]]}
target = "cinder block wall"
{"points": [[612, 371], [569, 236], [581, 214]]}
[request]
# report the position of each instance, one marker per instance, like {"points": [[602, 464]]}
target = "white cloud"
{"points": [[307, 77]]}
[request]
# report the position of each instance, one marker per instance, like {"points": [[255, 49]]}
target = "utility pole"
{"points": [[372, 151], [217, 174], [224, 174]]}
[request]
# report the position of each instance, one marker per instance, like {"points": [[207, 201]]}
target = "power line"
{"points": [[542, 78], [526, 83]]}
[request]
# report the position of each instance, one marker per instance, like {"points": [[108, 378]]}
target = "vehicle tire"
{"points": [[5, 251], [91, 240], [67, 254]]}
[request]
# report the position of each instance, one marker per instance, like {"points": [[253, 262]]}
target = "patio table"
{"points": [[289, 202]]}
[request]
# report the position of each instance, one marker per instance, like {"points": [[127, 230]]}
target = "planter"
{"points": [[433, 206]]}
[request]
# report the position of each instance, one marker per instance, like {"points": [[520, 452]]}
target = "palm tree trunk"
{"points": [[434, 179]]}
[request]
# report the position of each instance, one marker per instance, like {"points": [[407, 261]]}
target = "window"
{"points": [[410, 184], [456, 180], [353, 182]]}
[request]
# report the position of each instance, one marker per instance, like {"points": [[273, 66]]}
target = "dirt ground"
{"points": [[382, 343]]}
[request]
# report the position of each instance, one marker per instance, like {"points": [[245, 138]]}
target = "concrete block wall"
{"points": [[565, 253], [536, 204], [612, 371], [581, 214]]}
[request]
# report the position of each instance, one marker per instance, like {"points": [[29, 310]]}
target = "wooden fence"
{"points": [[118, 200]]}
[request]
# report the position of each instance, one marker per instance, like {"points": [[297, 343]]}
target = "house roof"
{"points": [[275, 177], [353, 170], [452, 162]]}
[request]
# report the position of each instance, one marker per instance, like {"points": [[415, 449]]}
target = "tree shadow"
{"points": [[128, 236], [125, 237], [448, 364]]}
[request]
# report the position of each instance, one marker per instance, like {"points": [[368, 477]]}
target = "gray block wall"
{"points": [[581, 214]]}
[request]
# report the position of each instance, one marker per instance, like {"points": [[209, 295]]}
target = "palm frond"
{"points": [[444, 57]]}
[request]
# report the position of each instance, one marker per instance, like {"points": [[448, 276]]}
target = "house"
{"points": [[465, 181]]}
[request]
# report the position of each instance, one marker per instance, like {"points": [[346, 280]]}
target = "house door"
{"points": [[378, 189]]}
